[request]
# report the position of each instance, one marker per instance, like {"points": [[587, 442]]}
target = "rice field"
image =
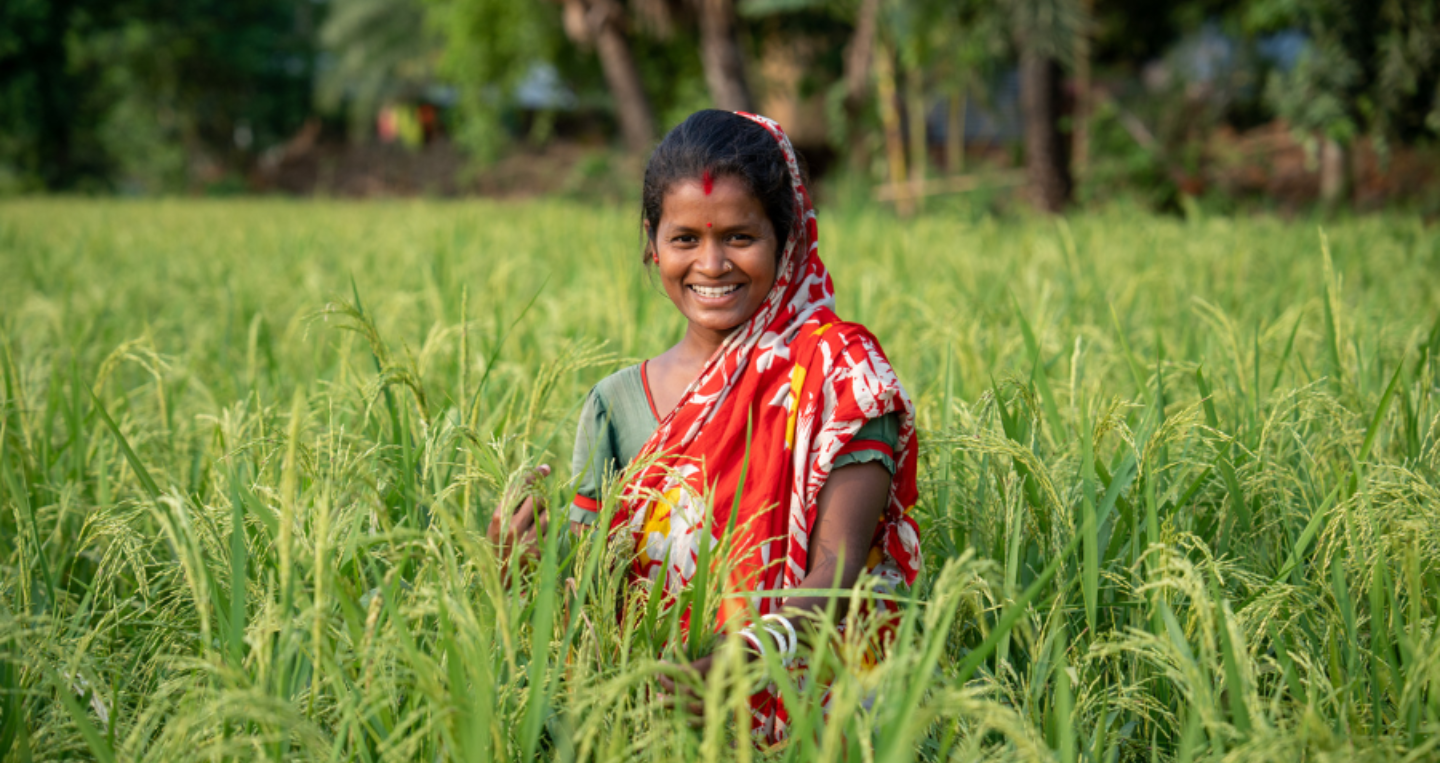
{"points": [[1180, 489]]}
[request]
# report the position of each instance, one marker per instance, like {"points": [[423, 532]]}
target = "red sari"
{"points": [[805, 382]]}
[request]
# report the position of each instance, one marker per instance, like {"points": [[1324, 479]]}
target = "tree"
{"points": [[1365, 70], [216, 81], [723, 57], [489, 46], [858, 55], [379, 49], [1043, 31], [40, 96], [849, 96], [602, 23]]}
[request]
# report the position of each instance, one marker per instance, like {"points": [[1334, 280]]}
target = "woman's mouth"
{"points": [[714, 292]]}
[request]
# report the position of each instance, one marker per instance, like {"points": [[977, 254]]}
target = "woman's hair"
{"points": [[724, 144]]}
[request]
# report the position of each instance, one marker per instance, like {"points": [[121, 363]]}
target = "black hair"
{"points": [[723, 144]]}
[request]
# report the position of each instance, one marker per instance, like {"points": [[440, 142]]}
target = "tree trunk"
{"points": [[919, 143], [46, 61], [894, 141], [955, 133], [1334, 182], [857, 83], [605, 22], [722, 58], [1045, 160], [1080, 135]]}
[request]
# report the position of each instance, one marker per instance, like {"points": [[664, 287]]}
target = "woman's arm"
{"points": [[847, 512]]}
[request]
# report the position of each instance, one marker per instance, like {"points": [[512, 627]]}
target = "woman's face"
{"points": [[716, 251]]}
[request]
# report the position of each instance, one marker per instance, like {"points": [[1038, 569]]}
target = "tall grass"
{"points": [[1179, 489]]}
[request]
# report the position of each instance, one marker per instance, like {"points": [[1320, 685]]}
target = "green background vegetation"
{"points": [[1178, 495], [1117, 96]]}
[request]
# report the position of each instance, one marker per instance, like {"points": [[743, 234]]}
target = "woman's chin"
{"points": [[717, 324], [717, 319]]}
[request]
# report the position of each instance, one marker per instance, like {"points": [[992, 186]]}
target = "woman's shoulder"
{"points": [[840, 333], [617, 386]]}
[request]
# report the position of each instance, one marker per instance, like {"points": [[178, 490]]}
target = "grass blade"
{"points": [[98, 744], [141, 473]]}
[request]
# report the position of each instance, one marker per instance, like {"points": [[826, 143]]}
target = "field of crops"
{"points": [[1180, 489]]}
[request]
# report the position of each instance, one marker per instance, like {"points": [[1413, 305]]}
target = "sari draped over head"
{"points": [[802, 382]]}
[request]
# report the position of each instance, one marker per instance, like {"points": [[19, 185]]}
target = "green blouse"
{"points": [[619, 417]]}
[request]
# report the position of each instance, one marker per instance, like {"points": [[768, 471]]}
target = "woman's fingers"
{"points": [[538, 473], [691, 705], [519, 530], [497, 519], [528, 541], [685, 696], [501, 531], [523, 519]]}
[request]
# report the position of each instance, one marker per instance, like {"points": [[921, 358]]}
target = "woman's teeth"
{"points": [[714, 292]]}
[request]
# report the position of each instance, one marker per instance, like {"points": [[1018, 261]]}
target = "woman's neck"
{"points": [[697, 346], [670, 372]]}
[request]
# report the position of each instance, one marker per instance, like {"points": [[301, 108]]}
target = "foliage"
{"points": [[489, 47], [43, 97], [379, 50], [1366, 70], [97, 85], [1178, 489]]}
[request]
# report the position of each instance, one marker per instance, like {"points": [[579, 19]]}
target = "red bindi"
{"points": [[708, 182], [707, 225]]}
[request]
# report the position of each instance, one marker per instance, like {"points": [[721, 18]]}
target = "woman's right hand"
{"points": [[522, 532]]}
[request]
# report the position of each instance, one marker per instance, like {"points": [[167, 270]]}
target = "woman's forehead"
{"points": [[725, 195]]}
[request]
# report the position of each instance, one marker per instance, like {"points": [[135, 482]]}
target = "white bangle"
{"points": [[782, 647], [753, 640], [786, 643], [794, 643]]}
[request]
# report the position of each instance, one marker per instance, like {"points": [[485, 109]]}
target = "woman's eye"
{"points": [[742, 238]]}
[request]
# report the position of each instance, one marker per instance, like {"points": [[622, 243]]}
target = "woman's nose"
{"points": [[712, 259]]}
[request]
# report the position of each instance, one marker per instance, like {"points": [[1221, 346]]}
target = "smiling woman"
{"points": [[716, 253], [767, 384]]}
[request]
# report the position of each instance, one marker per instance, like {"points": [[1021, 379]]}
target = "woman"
{"points": [[831, 455]]}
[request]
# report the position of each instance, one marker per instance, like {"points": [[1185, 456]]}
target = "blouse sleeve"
{"points": [[594, 452], [876, 441]]}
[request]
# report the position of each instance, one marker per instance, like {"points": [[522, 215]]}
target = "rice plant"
{"points": [[1180, 484]]}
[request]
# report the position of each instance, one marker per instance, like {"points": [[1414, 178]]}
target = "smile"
{"points": [[714, 292]]}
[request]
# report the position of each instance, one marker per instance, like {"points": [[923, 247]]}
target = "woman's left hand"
{"points": [[684, 695]]}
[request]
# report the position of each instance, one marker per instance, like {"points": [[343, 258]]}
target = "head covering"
{"points": [[802, 382]]}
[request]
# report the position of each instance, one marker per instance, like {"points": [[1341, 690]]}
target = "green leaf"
{"points": [[99, 746], [141, 473], [1136, 373], [1332, 311], [1234, 686], [1372, 431], [1090, 580], [1058, 429], [1014, 612], [1064, 702]]}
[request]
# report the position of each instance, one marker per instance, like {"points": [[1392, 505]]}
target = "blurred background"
{"points": [[1231, 105]]}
